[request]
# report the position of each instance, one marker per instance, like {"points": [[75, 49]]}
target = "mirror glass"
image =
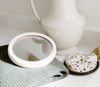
{"points": [[32, 48]]}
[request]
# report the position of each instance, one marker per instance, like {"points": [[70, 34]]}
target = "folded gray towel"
{"points": [[12, 75]]}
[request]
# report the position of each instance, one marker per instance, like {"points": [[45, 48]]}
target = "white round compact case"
{"points": [[32, 50]]}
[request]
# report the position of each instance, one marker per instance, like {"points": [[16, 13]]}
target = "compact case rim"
{"points": [[31, 64]]}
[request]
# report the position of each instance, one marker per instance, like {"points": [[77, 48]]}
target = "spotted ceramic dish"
{"points": [[82, 64]]}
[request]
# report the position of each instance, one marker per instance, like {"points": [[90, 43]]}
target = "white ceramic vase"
{"points": [[64, 24]]}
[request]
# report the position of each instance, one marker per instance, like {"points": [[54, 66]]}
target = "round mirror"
{"points": [[32, 50]]}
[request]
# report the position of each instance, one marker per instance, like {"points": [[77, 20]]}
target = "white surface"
{"points": [[16, 17], [6, 34], [79, 81], [89, 8], [70, 81], [95, 81]]}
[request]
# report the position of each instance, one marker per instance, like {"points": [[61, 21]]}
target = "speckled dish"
{"points": [[82, 73]]}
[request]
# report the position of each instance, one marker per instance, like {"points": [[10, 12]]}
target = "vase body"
{"points": [[64, 24]]}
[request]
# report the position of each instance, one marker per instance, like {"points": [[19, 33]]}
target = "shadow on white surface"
{"points": [[95, 81]]}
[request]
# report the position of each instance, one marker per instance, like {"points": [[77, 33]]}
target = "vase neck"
{"points": [[63, 6]]}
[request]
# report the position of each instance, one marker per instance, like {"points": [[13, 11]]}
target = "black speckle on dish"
{"points": [[72, 57], [84, 69], [81, 71], [81, 56], [89, 62], [75, 69], [75, 56], [81, 59], [77, 62]]}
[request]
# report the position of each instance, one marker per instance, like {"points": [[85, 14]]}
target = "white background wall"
{"points": [[89, 8]]}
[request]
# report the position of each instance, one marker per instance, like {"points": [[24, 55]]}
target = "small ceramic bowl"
{"points": [[31, 64], [82, 73]]}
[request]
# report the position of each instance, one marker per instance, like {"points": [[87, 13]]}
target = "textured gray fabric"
{"points": [[12, 75]]}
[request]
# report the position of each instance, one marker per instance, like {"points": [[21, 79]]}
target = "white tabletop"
{"points": [[74, 81], [79, 81], [70, 81]]}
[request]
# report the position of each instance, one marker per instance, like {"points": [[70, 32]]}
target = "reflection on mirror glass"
{"points": [[32, 48]]}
